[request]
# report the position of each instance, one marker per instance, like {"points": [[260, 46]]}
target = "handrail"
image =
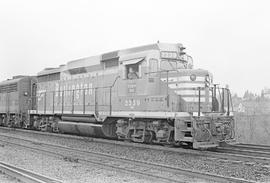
{"points": [[199, 103], [222, 99], [115, 81], [166, 71], [73, 93], [111, 93], [79, 89]]}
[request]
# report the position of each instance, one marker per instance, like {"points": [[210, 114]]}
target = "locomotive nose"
{"points": [[192, 86]]}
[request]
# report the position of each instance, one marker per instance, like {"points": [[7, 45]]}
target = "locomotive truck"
{"points": [[146, 94]]}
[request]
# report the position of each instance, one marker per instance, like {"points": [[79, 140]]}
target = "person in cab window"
{"points": [[132, 74]]}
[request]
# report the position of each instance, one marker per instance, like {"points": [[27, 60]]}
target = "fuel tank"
{"points": [[81, 128], [81, 119]]}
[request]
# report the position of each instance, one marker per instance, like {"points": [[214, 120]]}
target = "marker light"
{"points": [[193, 77]]}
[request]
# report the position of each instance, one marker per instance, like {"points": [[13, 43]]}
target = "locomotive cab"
{"points": [[153, 98], [162, 99]]}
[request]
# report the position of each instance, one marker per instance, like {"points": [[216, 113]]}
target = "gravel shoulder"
{"points": [[69, 172]]}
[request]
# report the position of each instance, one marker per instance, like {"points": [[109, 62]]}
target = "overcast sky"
{"points": [[229, 38]]}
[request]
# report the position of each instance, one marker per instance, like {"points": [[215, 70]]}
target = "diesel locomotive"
{"points": [[15, 95], [146, 94]]}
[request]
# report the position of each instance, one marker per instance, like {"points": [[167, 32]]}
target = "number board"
{"points": [[131, 88]]}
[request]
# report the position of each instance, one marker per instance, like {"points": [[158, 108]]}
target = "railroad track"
{"points": [[218, 154], [25, 175], [248, 150], [254, 146], [151, 170]]}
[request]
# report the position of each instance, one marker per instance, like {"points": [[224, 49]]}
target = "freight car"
{"points": [[147, 94], [16, 100]]}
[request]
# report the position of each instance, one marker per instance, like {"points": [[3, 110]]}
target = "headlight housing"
{"points": [[192, 77]]}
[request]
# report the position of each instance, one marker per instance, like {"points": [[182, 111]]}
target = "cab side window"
{"points": [[133, 68], [132, 71], [153, 65]]}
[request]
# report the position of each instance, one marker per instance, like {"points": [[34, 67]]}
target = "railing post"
{"points": [[214, 94], [7, 102], [110, 100], [53, 102], [228, 102], [83, 101], [96, 102], [222, 101], [45, 96], [199, 103], [72, 108], [167, 82], [30, 105], [63, 101]]}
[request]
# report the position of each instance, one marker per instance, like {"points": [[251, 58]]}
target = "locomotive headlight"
{"points": [[25, 93], [192, 77]]}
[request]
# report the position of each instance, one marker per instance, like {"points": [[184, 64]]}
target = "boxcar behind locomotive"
{"points": [[147, 94]]}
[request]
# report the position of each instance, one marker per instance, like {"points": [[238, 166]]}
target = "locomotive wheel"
{"points": [[148, 137], [128, 136]]}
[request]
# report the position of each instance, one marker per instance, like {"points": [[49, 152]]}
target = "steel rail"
{"points": [[95, 158], [252, 146], [244, 151], [25, 175]]}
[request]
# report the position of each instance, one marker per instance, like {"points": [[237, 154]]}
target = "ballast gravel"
{"points": [[66, 171], [259, 172], [7, 179]]}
